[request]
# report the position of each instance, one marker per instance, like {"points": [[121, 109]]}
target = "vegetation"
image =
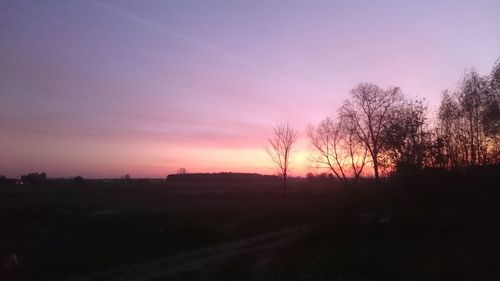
{"points": [[432, 216], [434, 224], [34, 178], [398, 135], [281, 143], [219, 178]]}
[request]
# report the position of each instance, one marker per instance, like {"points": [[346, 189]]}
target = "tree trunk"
{"points": [[472, 145], [375, 169], [284, 187]]}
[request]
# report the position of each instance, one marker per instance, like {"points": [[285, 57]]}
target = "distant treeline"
{"points": [[38, 179], [220, 177], [31, 178], [42, 179]]}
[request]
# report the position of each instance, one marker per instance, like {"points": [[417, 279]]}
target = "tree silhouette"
{"points": [[469, 122], [34, 178], [368, 113], [406, 138], [471, 98], [3, 180], [280, 148], [338, 149], [448, 132], [78, 180]]}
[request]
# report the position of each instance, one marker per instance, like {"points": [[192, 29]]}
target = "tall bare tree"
{"points": [[448, 135], [368, 112], [280, 147], [469, 121], [491, 114], [338, 149], [472, 97], [407, 138]]}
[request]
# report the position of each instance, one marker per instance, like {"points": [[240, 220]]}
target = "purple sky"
{"points": [[106, 88]]}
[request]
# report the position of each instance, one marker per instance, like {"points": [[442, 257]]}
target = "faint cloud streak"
{"points": [[187, 38]]}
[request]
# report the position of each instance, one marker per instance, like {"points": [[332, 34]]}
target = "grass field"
{"points": [[422, 230]]}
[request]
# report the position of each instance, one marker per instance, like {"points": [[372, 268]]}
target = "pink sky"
{"points": [[107, 88]]}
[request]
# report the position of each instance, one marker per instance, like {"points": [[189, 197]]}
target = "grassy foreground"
{"points": [[422, 227]]}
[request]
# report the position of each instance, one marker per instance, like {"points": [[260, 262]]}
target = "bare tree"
{"points": [[407, 139], [337, 149], [368, 113], [491, 114], [472, 96], [469, 122], [448, 137], [280, 147]]}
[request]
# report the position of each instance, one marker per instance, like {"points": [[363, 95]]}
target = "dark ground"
{"points": [[428, 226]]}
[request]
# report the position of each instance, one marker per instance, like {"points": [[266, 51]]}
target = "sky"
{"points": [[106, 88]]}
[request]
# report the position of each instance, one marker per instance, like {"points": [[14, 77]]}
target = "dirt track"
{"points": [[195, 260]]}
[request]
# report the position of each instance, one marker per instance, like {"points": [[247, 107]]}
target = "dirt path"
{"points": [[197, 259]]}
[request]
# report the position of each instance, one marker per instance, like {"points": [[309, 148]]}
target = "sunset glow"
{"points": [[108, 88]]}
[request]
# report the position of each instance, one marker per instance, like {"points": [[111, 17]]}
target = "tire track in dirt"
{"points": [[196, 260]]}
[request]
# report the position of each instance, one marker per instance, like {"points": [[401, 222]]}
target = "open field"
{"points": [[423, 229], [249, 140], [57, 231]]}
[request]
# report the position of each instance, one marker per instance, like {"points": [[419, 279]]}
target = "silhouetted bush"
{"points": [[34, 178], [3, 181], [78, 180], [322, 177], [126, 178]]}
